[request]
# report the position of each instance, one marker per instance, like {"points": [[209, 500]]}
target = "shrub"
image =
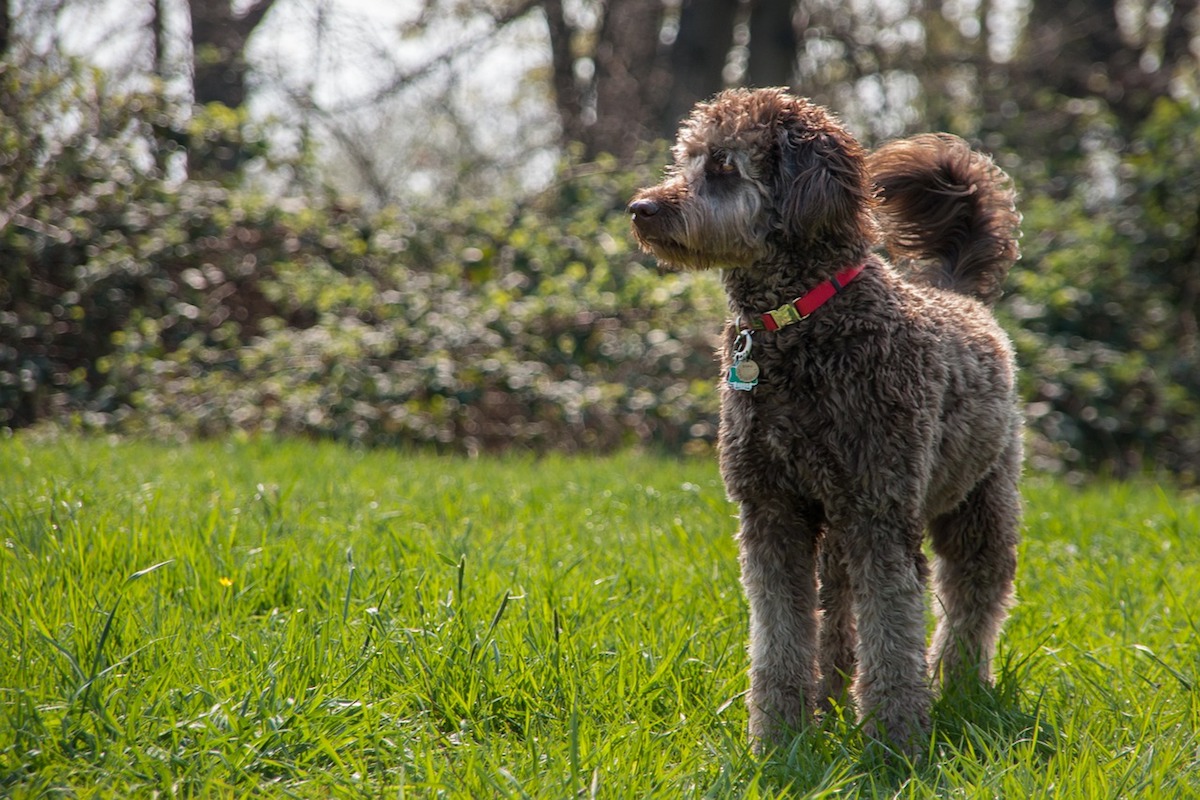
{"points": [[1104, 310], [501, 327], [135, 304]]}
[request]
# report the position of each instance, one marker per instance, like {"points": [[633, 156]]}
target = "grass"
{"points": [[290, 619]]}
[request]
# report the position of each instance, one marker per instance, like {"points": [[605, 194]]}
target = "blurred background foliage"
{"points": [[413, 232]]}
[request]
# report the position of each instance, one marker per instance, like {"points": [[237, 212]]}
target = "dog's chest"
{"points": [[786, 409]]}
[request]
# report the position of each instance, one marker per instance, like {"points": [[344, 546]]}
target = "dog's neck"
{"points": [[770, 282]]}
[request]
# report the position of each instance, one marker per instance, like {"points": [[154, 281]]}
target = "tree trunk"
{"points": [[158, 33], [219, 38], [698, 57], [219, 69], [628, 82], [5, 29], [772, 44], [567, 99]]}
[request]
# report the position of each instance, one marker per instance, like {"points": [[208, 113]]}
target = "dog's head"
{"points": [[755, 172]]}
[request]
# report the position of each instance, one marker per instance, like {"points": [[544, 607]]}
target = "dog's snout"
{"points": [[643, 208]]}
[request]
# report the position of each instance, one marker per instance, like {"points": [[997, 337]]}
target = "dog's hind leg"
{"points": [[838, 636], [976, 560], [777, 544], [887, 571]]}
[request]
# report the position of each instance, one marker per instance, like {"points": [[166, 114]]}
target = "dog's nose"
{"points": [[643, 208]]}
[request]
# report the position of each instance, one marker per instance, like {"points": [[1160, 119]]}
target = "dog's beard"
{"points": [[707, 232]]}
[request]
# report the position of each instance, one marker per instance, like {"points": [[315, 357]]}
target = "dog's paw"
{"points": [[901, 730]]}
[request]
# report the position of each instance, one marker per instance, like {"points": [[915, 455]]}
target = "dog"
{"points": [[864, 401]]}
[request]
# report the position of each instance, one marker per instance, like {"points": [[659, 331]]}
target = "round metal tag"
{"points": [[747, 371]]}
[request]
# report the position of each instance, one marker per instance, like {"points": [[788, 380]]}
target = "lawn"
{"points": [[290, 619]]}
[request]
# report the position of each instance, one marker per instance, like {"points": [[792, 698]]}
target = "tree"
{"points": [[5, 27], [219, 38], [697, 59], [628, 78], [630, 75], [219, 76], [607, 80], [159, 37], [773, 43], [1123, 53]]}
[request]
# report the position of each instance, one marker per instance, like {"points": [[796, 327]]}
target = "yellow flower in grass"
{"points": [[225, 581]]}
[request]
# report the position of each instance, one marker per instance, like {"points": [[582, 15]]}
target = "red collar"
{"points": [[804, 305]]}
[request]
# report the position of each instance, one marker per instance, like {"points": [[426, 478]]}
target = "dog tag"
{"points": [[747, 371], [743, 373], [735, 383]]}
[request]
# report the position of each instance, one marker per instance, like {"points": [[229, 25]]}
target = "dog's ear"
{"points": [[823, 191]]}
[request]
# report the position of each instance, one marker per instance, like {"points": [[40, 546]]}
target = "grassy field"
{"points": [[300, 620]]}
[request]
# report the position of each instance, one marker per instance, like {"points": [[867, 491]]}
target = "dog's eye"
{"points": [[719, 166]]}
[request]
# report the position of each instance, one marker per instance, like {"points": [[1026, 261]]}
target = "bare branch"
{"points": [[254, 15], [402, 80]]}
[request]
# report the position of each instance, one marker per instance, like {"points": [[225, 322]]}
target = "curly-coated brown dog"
{"points": [[859, 406]]}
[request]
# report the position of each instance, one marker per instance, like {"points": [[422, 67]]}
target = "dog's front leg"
{"points": [[778, 553]]}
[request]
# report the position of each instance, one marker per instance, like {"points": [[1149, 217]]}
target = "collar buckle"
{"points": [[785, 315]]}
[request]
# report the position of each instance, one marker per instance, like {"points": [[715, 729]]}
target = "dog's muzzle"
{"points": [[647, 217]]}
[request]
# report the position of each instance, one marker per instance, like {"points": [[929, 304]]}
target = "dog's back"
{"points": [[948, 213]]}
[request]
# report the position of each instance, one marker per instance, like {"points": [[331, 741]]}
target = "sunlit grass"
{"points": [[306, 620]]}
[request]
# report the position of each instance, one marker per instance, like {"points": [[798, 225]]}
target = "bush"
{"points": [[500, 327], [74, 185], [138, 305], [1104, 310], [134, 304]]}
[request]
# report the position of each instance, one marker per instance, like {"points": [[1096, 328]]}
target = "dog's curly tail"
{"points": [[948, 212]]}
